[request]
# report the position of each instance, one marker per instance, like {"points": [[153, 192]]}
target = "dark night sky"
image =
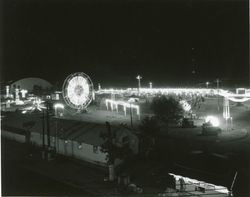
{"points": [[113, 42]]}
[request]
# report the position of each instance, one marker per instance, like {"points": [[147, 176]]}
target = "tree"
{"points": [[167, 109], [113, 150], [149, 130], [27, 126]]}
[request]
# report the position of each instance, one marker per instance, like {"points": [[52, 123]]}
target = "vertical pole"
{"points": [[139, 114], [43, 119], [232, 185], [226, 111], [56, 112], [107, 105], [139, 83], [56, 136], [7, 91], [48, 125], [218, 104], [227, 124], [131, 117], [17, 95]]}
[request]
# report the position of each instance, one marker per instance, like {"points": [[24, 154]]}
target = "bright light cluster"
{"points": [[235, 97], [78, 90], [213, 120], [36, 105], [24, 92], [226, 109], [209, 186], [178, 91], [114, 105], [185, 105], [58, 106]]}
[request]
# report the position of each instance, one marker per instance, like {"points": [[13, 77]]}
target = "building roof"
{"points": [[80, 131], [28, 83]]}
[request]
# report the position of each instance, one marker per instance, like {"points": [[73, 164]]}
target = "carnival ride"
{"points": [[78, 91]]}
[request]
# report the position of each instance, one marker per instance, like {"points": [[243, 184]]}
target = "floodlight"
{"points": [[213, 120]]}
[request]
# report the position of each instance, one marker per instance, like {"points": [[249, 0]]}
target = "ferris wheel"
{"points": [[78, 90]]}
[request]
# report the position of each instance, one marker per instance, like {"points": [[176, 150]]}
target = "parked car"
{"points": [[187, 123], [209, 129]]}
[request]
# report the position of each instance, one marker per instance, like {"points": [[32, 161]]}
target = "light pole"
{"points": [[131, 100], [43, 135], [43, 118], [150, 85], [7, 91], [207, 83], [139, 83], [17, 95], [131, 115], [48, 124], [56, 107], [218, 104]]}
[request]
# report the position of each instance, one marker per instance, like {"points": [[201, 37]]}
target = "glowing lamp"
{"points": [[150, 85], [213, 120], [59, 105], [7, 91], [24, 92]]}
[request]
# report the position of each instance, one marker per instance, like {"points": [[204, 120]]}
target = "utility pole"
{"points": [[218, 104], [56, 135], [139, 83], [48, 124], [131, 116], [43, 119]]}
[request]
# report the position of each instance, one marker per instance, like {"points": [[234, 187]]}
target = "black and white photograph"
{"points": [[117, 98]]}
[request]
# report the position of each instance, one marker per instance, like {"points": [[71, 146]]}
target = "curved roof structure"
{"points": [[29, 83]]}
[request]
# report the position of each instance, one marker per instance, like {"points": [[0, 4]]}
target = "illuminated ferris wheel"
{"points": [[78, 90]]}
